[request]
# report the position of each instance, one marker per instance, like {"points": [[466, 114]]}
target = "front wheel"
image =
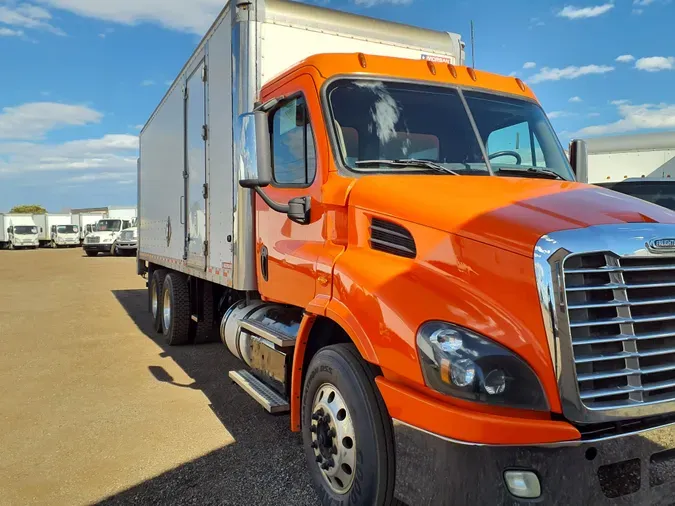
{"points": [[346, 430]]}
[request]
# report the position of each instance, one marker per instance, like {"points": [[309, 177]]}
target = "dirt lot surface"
{"points": [[95, 408]]}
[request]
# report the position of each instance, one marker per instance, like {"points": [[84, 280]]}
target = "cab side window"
{"points": [[293, 152]]}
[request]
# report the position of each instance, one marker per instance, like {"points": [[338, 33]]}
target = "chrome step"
{"points": [[266, 397], [258, 329]]}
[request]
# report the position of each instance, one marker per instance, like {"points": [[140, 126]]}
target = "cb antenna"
{"points": [[473, 47]]}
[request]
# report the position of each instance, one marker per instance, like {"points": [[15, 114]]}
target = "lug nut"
{"points": [[319, 458], [326, 419], [314, 445], [334, 450], [332, 433]]}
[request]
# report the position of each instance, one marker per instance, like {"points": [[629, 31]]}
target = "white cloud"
{"points": [[625, 58], [120, 177], [111, 153], [655, 63], [571, 12], [8, 32], [529, 65], [372, 3], [593, 114], [557, 114], [194, 16], [571, 72], [148, 82], [643, 3], [513, 74], [45, 93], [575, 100], [635, 117], [34, 119], [28, 16], [138, 127]]}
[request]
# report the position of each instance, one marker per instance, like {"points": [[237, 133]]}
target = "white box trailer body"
{"points": [[613, 159], [46, 223], [25, 236], [191, 191], [123, 213]]}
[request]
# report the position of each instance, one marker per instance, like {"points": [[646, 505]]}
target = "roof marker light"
{"points": [[432, 67], [452, 70], [521, 84], [472, 73], [362, 60]]}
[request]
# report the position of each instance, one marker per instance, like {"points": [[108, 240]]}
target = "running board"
{"points": [[266, 397]]}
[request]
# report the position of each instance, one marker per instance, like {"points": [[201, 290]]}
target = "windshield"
{"points": [[25, 230], [67, 229], [661, 193], [109, 226], [378, 121]]}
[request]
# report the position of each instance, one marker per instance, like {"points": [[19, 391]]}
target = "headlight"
{"points": [[458, 362]]}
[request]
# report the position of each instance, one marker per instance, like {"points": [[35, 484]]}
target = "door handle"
{"points": [[182, 210]]}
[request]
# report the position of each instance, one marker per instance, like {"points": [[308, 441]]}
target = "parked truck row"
{"points": [[448, 317], [111, 230]]}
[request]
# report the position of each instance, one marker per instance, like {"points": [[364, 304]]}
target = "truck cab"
{"points": [[22, 235], [104, 236], [65, 235]]}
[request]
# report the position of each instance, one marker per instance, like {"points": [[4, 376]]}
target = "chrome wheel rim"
{"points": [[155, 300], [166, 310], [333, 439]]}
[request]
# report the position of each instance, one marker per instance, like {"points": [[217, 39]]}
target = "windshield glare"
{"points": [[67, 229], [25, 230], [109, 226], [376, 120]]}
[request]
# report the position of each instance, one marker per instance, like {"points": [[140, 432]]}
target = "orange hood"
{"points": [[508, 212]]}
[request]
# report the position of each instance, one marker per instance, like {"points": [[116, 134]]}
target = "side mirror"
{"points": [[579, 160], [255, 165]]}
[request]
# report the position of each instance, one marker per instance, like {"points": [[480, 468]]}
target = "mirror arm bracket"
{"points": [[280, 208]]}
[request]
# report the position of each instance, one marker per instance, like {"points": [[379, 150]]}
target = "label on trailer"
{"points": [[437, 59]]}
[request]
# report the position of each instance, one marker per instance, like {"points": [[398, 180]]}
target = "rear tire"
{"points": [[176, 309], [91, 253], [156, 287], [361, 429]]}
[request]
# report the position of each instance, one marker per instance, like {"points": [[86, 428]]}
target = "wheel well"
{"points": [[326, 332]]}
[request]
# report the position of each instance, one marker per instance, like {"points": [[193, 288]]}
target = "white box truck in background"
{"points": [[57, 230], [641, 165], [86, 222], [106, 231], [123, 213], [18, 231], [615, 158]]}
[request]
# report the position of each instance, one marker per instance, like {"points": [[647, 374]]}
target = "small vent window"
{"points": [[391, 238]]}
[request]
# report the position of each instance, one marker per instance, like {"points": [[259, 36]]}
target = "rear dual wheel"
{"points": [[346, 430]]}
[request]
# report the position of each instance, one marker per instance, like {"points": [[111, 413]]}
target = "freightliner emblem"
{"points": [[662, 245]]}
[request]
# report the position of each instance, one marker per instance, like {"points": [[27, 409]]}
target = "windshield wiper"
{"points": [[410, 162], [546, 173]]}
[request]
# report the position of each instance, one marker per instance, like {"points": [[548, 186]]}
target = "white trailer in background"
{"points": [[18, 231], [126, 214], [57, 230], [616, 158]]}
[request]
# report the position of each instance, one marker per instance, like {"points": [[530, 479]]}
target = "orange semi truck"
{"points": [[396, 248]]}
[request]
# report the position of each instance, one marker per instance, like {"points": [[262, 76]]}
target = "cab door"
{"points": [[287, 251]]}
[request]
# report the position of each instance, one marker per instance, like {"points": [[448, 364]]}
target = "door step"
{"points": [[258, 329], [266, 397]]}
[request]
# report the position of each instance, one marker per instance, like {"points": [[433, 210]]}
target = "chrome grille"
{"points": [[621, 313]]}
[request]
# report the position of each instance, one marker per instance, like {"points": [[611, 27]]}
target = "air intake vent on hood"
{"points": [[391, 238]]}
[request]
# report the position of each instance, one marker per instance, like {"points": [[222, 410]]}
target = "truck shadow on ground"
{"points": [[265, 463]]}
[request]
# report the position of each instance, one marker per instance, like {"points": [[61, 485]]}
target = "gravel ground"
{"points": [[101, 411]]}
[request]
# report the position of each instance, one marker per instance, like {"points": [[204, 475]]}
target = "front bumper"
{"points": [[634, 469], [105, 248], [127, 245]]}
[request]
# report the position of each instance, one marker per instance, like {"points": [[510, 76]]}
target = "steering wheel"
{"points": [[515, 155]]}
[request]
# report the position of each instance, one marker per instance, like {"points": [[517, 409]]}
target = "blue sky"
{"points": [[81, 76]]}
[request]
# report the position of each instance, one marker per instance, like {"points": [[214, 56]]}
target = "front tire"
{"points": [[346, 430], [175, 309]]}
